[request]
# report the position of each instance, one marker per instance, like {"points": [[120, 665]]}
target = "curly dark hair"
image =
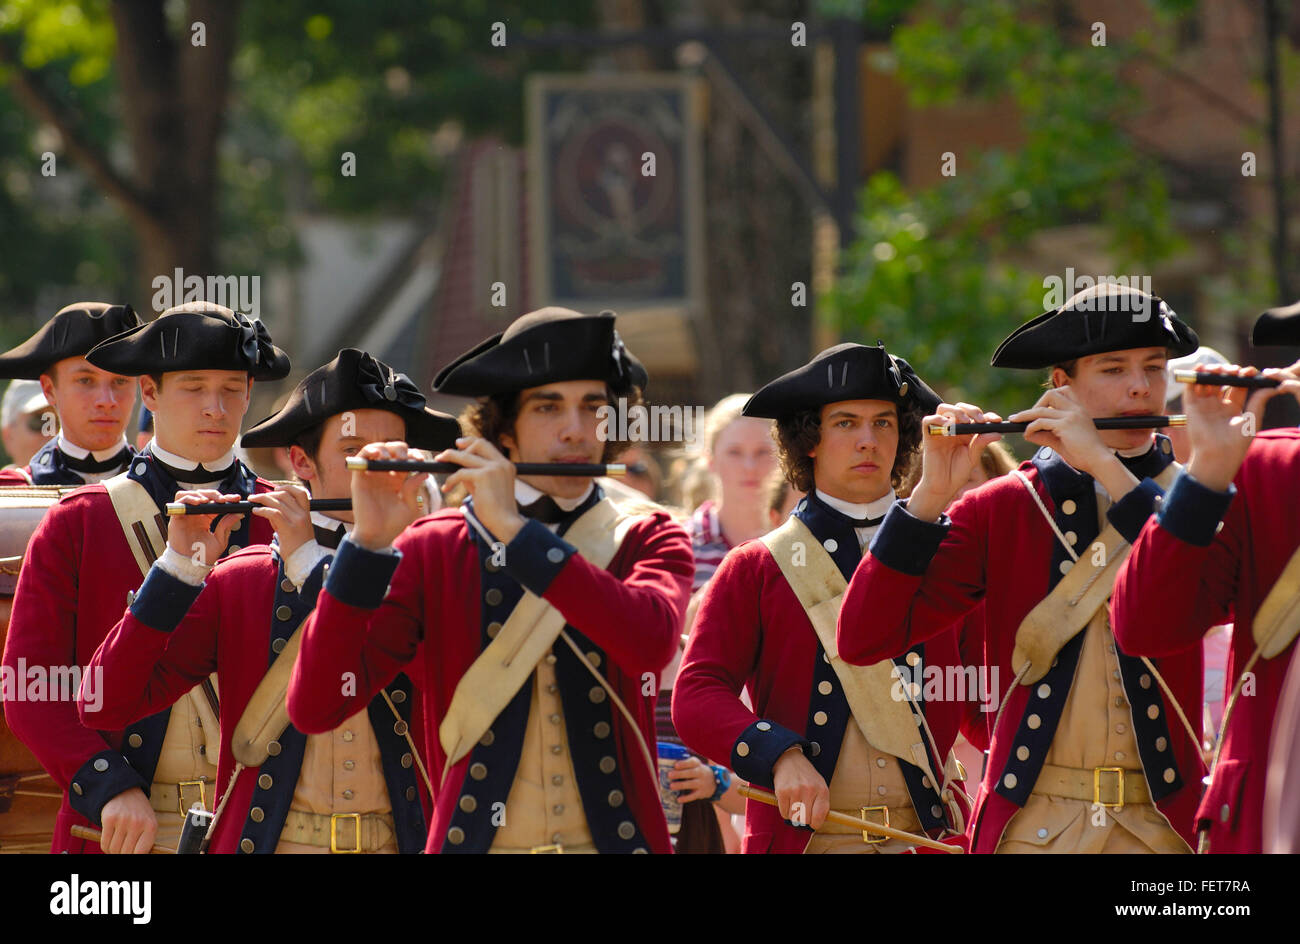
{"points": [[491, 417], [796, 435]]}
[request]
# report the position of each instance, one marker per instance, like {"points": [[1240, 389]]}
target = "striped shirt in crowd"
{"points": [[708, 543]]}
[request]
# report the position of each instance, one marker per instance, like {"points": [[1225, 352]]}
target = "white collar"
{"points": [[322, 520], [189, 465], [69, 448], [525, 494], [872, 509]]}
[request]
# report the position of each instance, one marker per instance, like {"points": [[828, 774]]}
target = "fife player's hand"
{"points": [[129, 823], [384, 503], [194, 536], [1221, 421], [947, 461], [288, 509], [489, 477]]}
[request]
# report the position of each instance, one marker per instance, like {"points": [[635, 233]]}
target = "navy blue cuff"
{"points": [[758, 749], [100, 779], [359, 577], [536, 556], [906, 543], [1192, 512], [163, 600], [1131, 512]]}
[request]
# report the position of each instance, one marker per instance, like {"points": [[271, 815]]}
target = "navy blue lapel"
{"points": [[833, 530], [48, 467]]}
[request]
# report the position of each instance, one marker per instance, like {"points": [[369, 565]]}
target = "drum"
{"points": [[29, 797]]}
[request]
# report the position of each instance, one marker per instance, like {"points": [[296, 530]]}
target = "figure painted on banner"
{"points": [[1091, 749], [354, 789], [196, 364], [535, 618]]}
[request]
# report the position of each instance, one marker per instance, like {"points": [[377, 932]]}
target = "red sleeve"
{"points": [[720, 658], [976, 722], [43, 632], [904, 592]]}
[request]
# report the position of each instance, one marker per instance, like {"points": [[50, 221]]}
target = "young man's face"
{"points": [[558, 423], [94, 405], [197, 413], [1120, 383], [343, 436], [855, 456]]}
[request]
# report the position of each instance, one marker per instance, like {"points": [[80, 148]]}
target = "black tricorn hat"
{"points": [[549, 345], [1277, 327], [1106, 317], [72, 332], [354, 380], [194, 336], [843, 372]]}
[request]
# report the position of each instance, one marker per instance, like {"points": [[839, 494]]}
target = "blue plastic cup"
{"points": [[669, 755]]}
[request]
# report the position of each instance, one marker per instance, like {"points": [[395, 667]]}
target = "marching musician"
{"points": [[1224, 544], [822, 734], [536, 617], [356, 788], [93, 405], [1089, 752], [197, 364]]}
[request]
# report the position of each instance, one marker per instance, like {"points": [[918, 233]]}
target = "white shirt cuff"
{"points": [[182, 567], [303, 561]]}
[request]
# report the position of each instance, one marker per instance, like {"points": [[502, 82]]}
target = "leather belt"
{"points": [[340, 832], [178, 797], [1111, 787]]}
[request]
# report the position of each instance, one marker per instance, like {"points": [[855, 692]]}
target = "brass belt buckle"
{"points": [[181, 808], [554, 848], [1096, 787], [334, 835], [884, 811]]}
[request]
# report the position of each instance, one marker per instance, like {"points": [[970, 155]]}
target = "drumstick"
{"points": [[238, 507], [843, 819], [87, 832], [1105, 422], [357, 463], [1225, 380]]}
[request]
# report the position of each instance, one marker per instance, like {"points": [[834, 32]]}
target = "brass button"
{"points": [[557, 780], [558, 809], [287, 585], [601, 729], [554, 719], [550, 658], [265, 781], [135, 740], [468, 803], [825, 687], [492, 629], [1042, 832], [277, 646], [626, 829], [76, 788], [478, 771], [493, 596], [410, 793], [348, 735], [831, 545], [233, 548], [615, 798], [1022, 753], [1170, 775], [407, 760], [556, 749], [256, 814], [347, 794], [742, 749], [555, 555], [925, 782], [820, 717], [815, 748], [1066, 565], [455, 835], [881, 789], [246, 845], [913, 658], [1145, 681], [350, 764], [936, 811], [491, 566], [552, 688], [1153, 712], [764, 726], [1071, 537], [273, 748], [487, 738], [1009, 781], [1034, 722], [1161, 743], [400, 728], [398, 697], [607, 765], [1120, 728], [1044, 690], [596, 695], [1119, 701], [881, 762], [594, 658], [282, 612], [1068, 506], [101, 764], [1119, 755]]}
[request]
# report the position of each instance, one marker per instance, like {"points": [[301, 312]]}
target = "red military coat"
{"points": [[752, 633], [73, 587], [445, 593], [994, 545], [1182, 578], [176, 635]]}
